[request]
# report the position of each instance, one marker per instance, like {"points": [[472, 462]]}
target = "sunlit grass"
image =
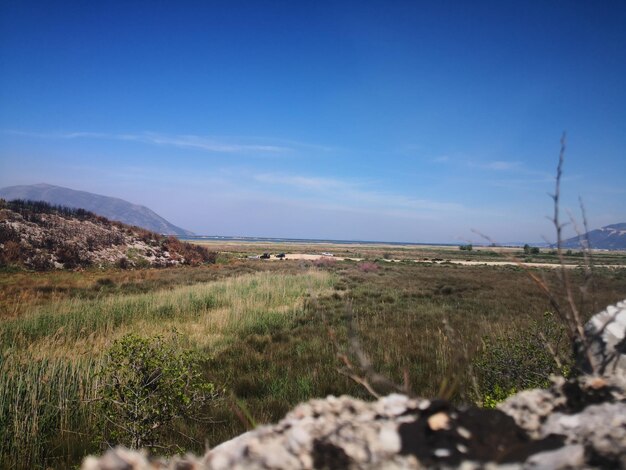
{"points": [[261, 332], [202, 311], [44, 409], [50, 355]]}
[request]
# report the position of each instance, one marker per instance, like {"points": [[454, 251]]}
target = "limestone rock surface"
{"points": [[607, 334]]}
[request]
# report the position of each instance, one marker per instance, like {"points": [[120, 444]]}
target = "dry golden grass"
{"points": [[201, 312]]}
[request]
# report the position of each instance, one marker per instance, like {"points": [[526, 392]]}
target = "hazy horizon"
{"points": [[408, 122]]}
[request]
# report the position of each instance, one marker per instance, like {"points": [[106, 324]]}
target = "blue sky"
{"points": [[396, 121]]}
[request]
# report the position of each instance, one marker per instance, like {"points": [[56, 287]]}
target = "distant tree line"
{"points": [[26, 208], [530, 250]]}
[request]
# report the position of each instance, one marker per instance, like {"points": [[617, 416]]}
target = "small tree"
{"points": [[146, 384]]}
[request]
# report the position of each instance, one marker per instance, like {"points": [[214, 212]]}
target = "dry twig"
{"points": [[570, 313]]}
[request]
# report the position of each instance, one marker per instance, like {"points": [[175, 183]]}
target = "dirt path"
{"points": [[529, 265], [508, 263], [313, 257], [310, 257]]}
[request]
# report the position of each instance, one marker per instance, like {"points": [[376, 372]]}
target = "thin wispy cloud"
{"points": [[501, 165], [202, 143], [55, 135], [512, 173], [353, 195], [526, 183], [189, 141], [294, 144], [302, 182]]}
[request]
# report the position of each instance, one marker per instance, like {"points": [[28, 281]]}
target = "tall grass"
{"points": [[208, 309], [44, 410], [262, 337], [50, 356]]}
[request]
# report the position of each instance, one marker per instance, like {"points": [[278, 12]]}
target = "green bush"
{"points": [[146, 384], [136, 258], [531, 250], [522, 360]]}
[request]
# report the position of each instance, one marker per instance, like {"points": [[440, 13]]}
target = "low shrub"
{"points": [[522, 360], [368, 267], [11, 252], [147, 383], [190, 253], [325, 261], [71, 256]]}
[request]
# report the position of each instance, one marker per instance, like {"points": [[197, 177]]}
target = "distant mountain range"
{"points": [[611, 237], [110, 207]]}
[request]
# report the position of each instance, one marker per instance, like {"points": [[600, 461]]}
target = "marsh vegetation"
{"points": [[265, 335]]}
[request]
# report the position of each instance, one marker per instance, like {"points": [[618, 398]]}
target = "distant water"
{"points": [[306, 240]]}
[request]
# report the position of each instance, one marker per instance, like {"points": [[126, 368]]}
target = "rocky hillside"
{"points": [[611, 237], [575, 424], [110, 207], [39, 236]]}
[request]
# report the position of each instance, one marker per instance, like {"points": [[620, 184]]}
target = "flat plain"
{"points": [[269, 334]]}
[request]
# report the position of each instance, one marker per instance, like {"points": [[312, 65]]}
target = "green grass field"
{"points": [[263, 331]]}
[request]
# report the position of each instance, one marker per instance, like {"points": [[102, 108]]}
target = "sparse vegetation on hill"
{"points": [[41, 236]]}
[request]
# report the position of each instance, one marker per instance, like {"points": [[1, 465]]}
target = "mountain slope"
{"points": [[36, 235], [611, 237], [110, 207]]}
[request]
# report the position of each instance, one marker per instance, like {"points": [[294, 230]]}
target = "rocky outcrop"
{"points": [[588, 414], [607, 334], [42, 237], [577, 423]]}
